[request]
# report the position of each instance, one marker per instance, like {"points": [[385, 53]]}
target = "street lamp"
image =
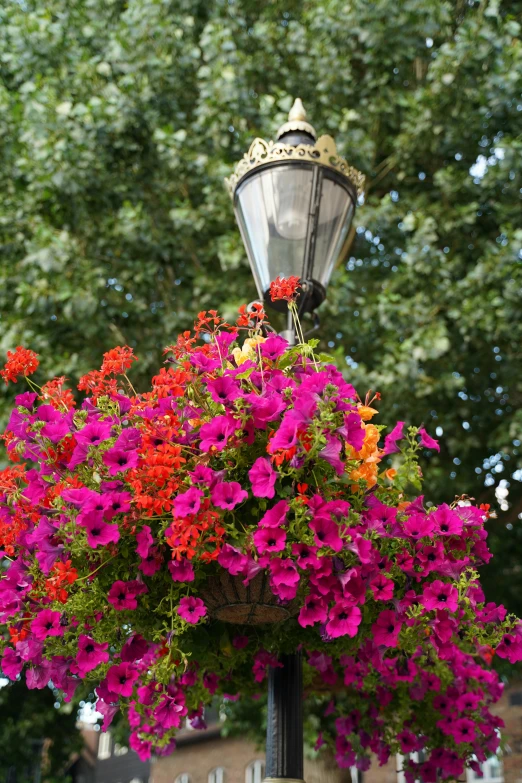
{"points": [[294, 201]]}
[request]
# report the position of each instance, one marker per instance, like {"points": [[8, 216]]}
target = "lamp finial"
{"points": [[298, 112]]}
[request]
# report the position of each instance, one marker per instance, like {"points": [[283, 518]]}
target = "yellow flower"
{"points": [[248, 351]]}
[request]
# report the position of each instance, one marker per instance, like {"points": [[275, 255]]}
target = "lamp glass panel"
{"points": [[335, 218], [273, 210]]}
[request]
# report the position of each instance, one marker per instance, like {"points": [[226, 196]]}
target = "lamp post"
{"points": [[294, 200]]}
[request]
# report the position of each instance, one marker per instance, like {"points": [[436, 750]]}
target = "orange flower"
{"points": [[390, 473], [365, 412]]}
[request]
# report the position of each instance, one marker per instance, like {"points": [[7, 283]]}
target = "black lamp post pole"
{"points": [[284, 732]]}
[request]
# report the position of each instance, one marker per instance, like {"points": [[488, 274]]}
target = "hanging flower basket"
{"points": [[228, 599], [164, 547]]}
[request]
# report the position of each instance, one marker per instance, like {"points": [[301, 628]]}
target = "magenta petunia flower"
{"points": [[284, 571], [90, 654], [275, 516], [119, 460], [170, 712], [382, 588], [152, 563], [216, 433], [134, 648], [387, 628], [446, 522], [463, 730], [144, 540], [314, 611], [330, 453], [232, 559], [188, 502], [12, 663], [273, 347], [418, 525], [326, 533], [390, 441], [306, 556], [269, 539], [121, 679], [228, 494], [99, 533], [123, 595], [181, 570], [510, 647], [93, 433], [224, 389], [240, 642], [440, 595], [285, 437], [355, 431], [427, 441], [263, 478], [191, 609], [47, 623], [343, 620]]}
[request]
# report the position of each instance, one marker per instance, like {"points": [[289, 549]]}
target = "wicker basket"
{"points": [[229, 600]]}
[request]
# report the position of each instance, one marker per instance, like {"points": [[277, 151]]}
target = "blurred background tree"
{"points": [[119, 120], [34, 735]]}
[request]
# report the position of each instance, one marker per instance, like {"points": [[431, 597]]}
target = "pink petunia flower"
{"points": [[386, 629], [123, 595], [427, 441], [263, 478], [418, 525], [306, 556], [326, 533], [119, 461], [121, 679], [232, 559], [463, 730], [188, 502], [170, 711], [355, 431], [284, 577], [269, 539], [440, 595], [275, 516], [215, 433], [390, 441], [181, 570], [446, 522], [90, 654], [313, 611], [343, 620], [224, 389], [144, 540], [382, 588], [191, 609], [228, 495], [99, 533], [12, 663], [47, 623]]}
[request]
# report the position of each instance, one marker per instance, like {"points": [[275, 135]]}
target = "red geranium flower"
{"points": [[21, 361], [285, 288]]}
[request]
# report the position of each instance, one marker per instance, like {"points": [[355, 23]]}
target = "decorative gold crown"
{"points": [[323, 152]]}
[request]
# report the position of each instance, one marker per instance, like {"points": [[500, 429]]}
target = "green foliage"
{"points": [[119, 120]]}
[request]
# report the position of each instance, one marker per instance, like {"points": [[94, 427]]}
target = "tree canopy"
{"points": [[119, 120]]}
